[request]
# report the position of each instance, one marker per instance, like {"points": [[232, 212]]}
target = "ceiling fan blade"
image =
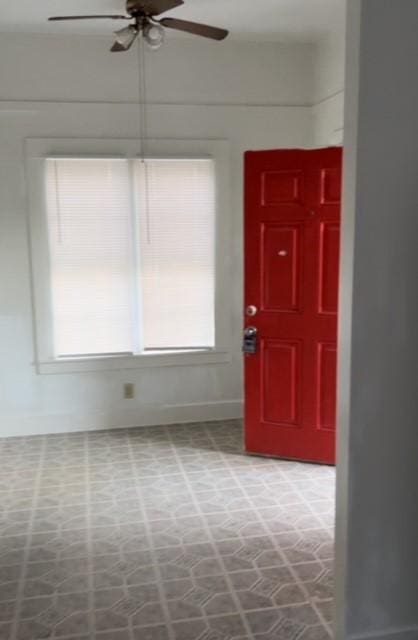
{"points": [[125, 39], [152, 7], [196, 28], [62, 18], [117, 47]]}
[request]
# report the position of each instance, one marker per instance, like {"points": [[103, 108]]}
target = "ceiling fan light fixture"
{"points": [[126, 36], [154, 35]]}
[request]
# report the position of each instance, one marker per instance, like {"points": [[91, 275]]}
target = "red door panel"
{"points": [[331, 186], [281, 403], [329, 256], [326, 384], [292, 244], [281, 273], [282, 187]]}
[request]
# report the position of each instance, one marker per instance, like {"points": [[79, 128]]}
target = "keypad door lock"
{"points": [[250, 340]]}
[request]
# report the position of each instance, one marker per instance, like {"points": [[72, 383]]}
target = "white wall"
{"points": [[254, 95], [188, 71], [328, 110], [377, 506]]}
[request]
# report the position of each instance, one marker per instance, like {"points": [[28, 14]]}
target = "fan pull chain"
{"points": [[143, 128]]}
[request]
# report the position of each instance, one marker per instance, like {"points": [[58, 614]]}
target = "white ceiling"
{"points": [[292, 20]]}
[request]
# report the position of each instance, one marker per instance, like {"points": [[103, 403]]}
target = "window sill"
{"points": [[143, 361]]}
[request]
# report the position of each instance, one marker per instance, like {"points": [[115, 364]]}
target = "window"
{"points": [[131, 255]]}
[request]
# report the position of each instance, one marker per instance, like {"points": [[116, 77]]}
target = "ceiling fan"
{"points": [[143, 14]]}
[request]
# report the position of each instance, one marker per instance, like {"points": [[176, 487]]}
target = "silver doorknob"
{"points": [[251, 310]]}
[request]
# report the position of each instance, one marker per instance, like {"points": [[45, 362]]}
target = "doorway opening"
{"points": [[292, 252]]}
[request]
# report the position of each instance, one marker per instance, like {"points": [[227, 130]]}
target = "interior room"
{"points": [[129, 507], [170, 209]]}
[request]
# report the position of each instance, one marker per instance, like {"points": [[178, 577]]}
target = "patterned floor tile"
{"points": [[52, 547], [162, 533], [222, 628]]}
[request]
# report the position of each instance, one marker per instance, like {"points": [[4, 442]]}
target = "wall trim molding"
{"points": [[405, 633], [27, 105], [143, 416], [332, 96]]}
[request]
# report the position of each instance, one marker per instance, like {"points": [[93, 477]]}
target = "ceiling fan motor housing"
{"points": [[135, 8]]}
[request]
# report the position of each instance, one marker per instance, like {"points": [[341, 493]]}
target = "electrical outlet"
{"points": [[128, 391]]}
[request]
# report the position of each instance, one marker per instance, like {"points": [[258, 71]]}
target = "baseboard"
{"points": [[405, 633], [147, 415]]}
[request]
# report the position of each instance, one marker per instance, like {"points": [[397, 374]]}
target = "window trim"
{"points": [[36, 151]]}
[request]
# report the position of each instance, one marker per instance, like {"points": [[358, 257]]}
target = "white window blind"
{"points": [[177, 252], [132, 247], [90, 255]]}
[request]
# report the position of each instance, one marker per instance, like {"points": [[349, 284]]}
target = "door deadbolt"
{"points": [[250, 340]]}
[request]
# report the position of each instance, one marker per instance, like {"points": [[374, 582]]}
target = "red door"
{"points": [[292, 238]]}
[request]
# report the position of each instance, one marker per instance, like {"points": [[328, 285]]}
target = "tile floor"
{"points": [[163, 533]]}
